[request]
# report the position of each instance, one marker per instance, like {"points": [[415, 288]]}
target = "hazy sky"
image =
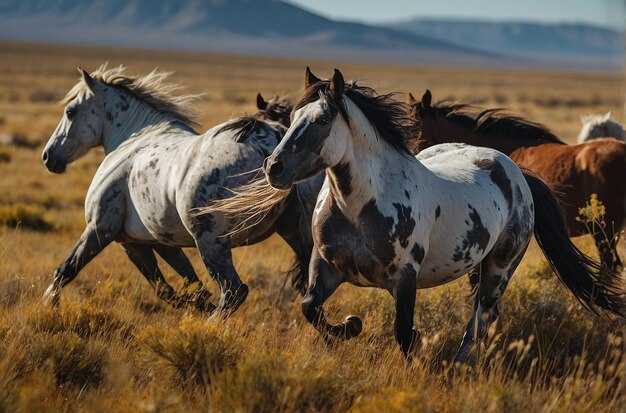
{"points": [[599, 12]]}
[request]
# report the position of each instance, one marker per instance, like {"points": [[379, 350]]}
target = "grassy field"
{"points": [[113, 346]]}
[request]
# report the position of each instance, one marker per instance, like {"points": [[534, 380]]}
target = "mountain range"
{"points": [[522, 38], [278, 28]]}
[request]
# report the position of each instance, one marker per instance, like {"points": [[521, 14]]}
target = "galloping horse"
{"points": [[387, 219], [157, 169], [576, 171], [600, 126]]}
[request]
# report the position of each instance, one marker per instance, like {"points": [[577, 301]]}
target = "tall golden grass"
{"points": [[113, 346]]}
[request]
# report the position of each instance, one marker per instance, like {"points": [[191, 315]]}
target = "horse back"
{"points": [[576, 172]]}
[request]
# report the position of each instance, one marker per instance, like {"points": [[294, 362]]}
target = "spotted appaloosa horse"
{"points": [[157, 169], [600, 126], [387, 219], [575, 171]]}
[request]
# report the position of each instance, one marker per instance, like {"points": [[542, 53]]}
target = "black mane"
{"points": [[494, 122], [243, 127], [392, 119]]}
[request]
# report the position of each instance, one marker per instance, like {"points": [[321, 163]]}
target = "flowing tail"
{"points": [[595, 286]]}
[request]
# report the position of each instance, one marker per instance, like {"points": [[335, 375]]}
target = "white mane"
{"points": [[600, 126], [151, 88]]}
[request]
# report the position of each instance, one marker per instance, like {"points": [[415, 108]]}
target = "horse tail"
{"points": [[595, 286], [248, 205]]}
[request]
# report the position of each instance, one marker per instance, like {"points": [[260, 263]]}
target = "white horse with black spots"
{"points": [[600, 126], [387, 219], [156, 171]]}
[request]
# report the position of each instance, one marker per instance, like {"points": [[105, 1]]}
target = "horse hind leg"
{"points": [[144, 259], [90, 244], [217, 257], [493, 275], [194, 288]]}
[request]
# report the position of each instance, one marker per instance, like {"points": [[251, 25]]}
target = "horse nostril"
{"points": [[44, 157], [276, 169]]}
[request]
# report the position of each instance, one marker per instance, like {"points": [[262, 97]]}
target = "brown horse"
{"points": [[276, 109], [575, 171]]}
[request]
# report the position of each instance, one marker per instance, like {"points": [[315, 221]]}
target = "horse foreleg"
{"points": [[143, 257], [217, 257], [404, 294], [322, 284], [90, 244], [176, 258]]}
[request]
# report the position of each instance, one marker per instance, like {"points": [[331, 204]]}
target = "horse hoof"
{"points": [[200, 300], [51, 298], [354, 326], [467, 357], [234, 300], [205, 306], [416, 338], [240, 296], [408, 350]]}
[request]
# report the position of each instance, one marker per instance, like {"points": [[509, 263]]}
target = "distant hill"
{"points": [[522, 38], [240, 26], [264, 27]]}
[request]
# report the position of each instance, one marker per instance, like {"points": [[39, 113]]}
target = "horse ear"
{"points": [[427, 99], [310, 78], [411, 99], [261, 104], [607, 116], [337, 84], [584, 119], [89, 81]]}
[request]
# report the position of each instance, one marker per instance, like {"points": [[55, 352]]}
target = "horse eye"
{"points": [[70, 112], [324, 120]]}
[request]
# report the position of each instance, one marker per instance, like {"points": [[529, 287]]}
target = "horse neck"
{"points": [[120, 126], [617, 130], [449, 132], [369, 164]]}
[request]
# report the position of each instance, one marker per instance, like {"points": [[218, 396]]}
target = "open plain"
{"points": [[113, 346]]}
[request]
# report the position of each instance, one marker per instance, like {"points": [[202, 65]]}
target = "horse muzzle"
{"points": [[276, 173], [52, 164]]}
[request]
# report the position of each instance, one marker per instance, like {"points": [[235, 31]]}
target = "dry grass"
{"points": [[113, 346], [24, 216]]}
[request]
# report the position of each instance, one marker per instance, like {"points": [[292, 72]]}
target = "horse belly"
{"points": [[158, 225], [452, 256], [465, 233], [434, 273]]}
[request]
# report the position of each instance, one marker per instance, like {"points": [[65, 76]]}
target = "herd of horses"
{"points": [[364, 188]]}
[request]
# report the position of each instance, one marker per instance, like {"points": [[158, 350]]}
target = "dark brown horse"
{"points": [[575, 171], [277, 109]]}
